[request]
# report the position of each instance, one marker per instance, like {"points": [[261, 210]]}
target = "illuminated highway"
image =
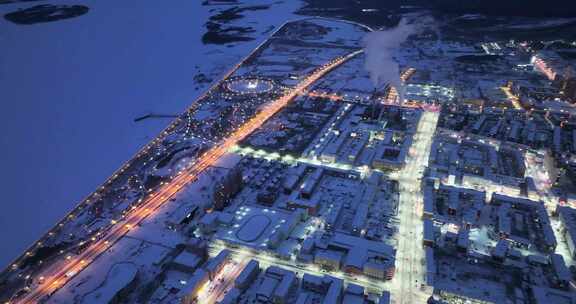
{"points": [[410, 271], [215, 290], [265, 259], [358, 100], [59, 273], [290, 160], [514, 100], [390, 99]]}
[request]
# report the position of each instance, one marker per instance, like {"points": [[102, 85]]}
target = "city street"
{"points": [[214, 290], [410, 269], [266, 260]]}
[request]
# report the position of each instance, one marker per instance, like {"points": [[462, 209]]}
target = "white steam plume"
{"points": [[380, 48]]}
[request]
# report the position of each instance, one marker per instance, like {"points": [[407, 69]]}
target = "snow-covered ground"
{"points": [[70, 90]]}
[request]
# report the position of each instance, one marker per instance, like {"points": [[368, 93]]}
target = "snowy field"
{"points": [[70, 91]]}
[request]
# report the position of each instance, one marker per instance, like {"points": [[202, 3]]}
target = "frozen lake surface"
{"points": [[70, 91]]}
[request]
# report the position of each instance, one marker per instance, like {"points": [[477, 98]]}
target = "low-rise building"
{"points": [[567, 217], [214, 265], [193, 286], [328, 259], [248, 275]]}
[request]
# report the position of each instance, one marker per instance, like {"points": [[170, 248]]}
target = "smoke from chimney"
{"points": [[380, 48]]}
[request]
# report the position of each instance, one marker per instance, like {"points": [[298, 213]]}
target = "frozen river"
{"points": [[70, 91]]}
